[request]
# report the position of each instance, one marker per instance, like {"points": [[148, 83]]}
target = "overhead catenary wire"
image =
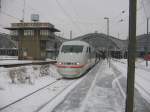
{"points": [[9, 15], [67, 15], [74, 10], [14, 17], [23, 11], [142, 2], [74, 22], [123, 19]]}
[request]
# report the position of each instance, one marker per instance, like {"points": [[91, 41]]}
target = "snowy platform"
{"points": [[103, 89]]}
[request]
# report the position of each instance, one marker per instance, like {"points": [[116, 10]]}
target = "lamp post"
{"points": [[23, 10], [147, 42], [71, 35], [0, 4], [108, 56]]}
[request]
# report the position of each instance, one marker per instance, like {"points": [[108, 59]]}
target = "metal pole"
{"points": [[23, 11], [108, 27], [70, 34], [131, 56], [147, 42], [0, 4], [108, 52]]}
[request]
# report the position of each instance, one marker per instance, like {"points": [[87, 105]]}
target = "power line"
{"points": [[121, 20], [23, 11], [144, 8], [66, 14], [9, 15], [75, 12], [74, 9]]}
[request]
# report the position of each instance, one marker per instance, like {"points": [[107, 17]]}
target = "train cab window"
{"points": [[72, 49]]}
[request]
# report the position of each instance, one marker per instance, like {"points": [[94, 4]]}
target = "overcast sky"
{"points": [[80, 16]]}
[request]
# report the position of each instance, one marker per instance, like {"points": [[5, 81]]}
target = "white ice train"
{"points": [[74, 58]]}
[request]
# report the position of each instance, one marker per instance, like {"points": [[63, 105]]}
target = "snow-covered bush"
{"points": [[44, 70], [21, 75], [28, 74], [53, 72], [13, 75], [36, 71], [3, 77]]}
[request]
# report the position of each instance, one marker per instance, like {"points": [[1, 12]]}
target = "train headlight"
{"points": [[60, 63], [77, 63]]}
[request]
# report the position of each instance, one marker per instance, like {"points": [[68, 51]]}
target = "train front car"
{"points": [[73, 59]]}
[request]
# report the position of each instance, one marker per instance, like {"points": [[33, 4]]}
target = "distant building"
{"points": [[8, 47], [52, 47], [117, 48], [143, 44], [32, 38]]}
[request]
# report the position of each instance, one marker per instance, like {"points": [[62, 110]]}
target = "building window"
{"points": [[42, 44], [44, 32], [14, 32], [28, 32]]}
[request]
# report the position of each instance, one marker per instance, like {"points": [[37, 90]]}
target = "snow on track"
{"points": [[34, 101], [51, 105]]}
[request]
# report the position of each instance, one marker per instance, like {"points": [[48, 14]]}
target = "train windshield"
{"points": [[72, 49]]}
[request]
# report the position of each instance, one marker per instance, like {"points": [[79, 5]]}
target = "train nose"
{"points": [[70, 72]]}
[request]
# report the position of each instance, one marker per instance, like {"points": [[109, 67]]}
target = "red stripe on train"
{"points": [[68, 66]]}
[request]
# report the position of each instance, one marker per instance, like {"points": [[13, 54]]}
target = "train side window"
{"points": [[89, 50]]}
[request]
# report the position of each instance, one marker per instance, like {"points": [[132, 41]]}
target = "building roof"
{"points": [[102, 42], [33, 25]]}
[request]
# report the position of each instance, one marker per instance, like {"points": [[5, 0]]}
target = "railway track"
{"points": [[13, 106], [26, 100], [53, 98], [30, 94]]}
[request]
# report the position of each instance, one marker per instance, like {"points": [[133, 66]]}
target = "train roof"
{"points": [[75, 42]]}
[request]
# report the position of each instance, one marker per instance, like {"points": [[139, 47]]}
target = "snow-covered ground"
{"points": [[105, 93], [101, 90], [10, 92], [142, 75], [94, 94]]}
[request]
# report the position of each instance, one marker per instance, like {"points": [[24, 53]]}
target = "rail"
{"points": [[14, 102]]}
